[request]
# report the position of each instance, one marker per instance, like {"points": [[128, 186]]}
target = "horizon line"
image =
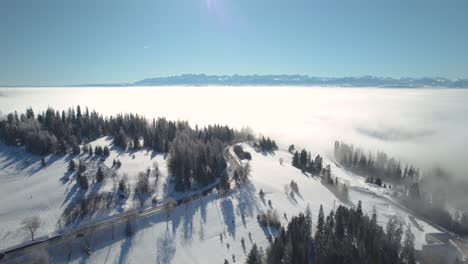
{"points": [[288, 80]]}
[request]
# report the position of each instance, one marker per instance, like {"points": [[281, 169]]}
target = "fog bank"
{"points": [[423, 126]]}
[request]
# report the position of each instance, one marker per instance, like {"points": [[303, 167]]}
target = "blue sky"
{"points": [[56, 42]]}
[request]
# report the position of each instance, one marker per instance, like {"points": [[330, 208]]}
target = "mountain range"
{"points": [[301, 80], [293, 80]]}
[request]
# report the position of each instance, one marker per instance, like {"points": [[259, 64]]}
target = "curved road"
{"points": [[38, 244]]}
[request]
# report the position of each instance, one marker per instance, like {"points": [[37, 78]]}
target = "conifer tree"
{"points": [[71, 166], [254, 256], [408, 247], [99, 175]]}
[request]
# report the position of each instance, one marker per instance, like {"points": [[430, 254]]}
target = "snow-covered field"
{"points": [[29, 189], [394, 120], [193, 232]]}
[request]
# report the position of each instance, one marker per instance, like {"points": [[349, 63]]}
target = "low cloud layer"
{"points": [[426, 127]]}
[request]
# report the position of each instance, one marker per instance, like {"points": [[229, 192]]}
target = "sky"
{"points": [[62, 42]]}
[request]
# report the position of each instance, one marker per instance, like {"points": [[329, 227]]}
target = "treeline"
{"points": [[196, 155], [266, 144], [53, 131], [305, 163], [344, 236], [378, 165]]}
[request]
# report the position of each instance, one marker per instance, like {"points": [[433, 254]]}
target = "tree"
{"points": [[281, 161], [359, 208], [408, 247], [100, 175], [81, 166], [136, 143], [76, 149], [123, 188], [31, 224], [261, 194], [225, 184], [142, 188], [378, 182], [246, 171], [71, 166], [254, 256], [295, 159], [43, 162], [106, 151], [82, 180], [156, 171]]}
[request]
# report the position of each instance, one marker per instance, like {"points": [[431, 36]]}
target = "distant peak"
{"points": [[301, 80]]}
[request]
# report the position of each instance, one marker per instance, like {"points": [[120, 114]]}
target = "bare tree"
{"points": [[115, 182], [31, 224], [281, 161], [246, 170], [123, 187], [156, 172], [142, 188]]}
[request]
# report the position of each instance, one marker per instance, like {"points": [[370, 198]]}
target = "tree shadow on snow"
{"points": [[165, 248], [247, 202], [125, 249], [227, 210]]}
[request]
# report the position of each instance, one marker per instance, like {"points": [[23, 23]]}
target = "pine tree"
{"points": [[359, 208], [99, 175], [106, 151], [76, 149], [408, 247], [295, 159], [254, 256], [136, 143], [82, 180], [320, 235], [71, 166]]}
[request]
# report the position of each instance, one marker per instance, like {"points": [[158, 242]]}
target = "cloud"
{"points": [[394, 134]]}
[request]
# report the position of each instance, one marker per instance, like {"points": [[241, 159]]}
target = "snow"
{"points": [[28, 189], [192, 232], [379, 199]]}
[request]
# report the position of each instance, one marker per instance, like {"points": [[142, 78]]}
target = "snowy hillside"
{"points": [[29, 189], [212, 228]]}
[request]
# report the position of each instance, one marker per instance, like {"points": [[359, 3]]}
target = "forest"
{"points": [[378, 165], [196, 155], [343, 236], [428, 195]]}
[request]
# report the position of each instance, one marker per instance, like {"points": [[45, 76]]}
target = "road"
{"points": [[65, 236]]}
